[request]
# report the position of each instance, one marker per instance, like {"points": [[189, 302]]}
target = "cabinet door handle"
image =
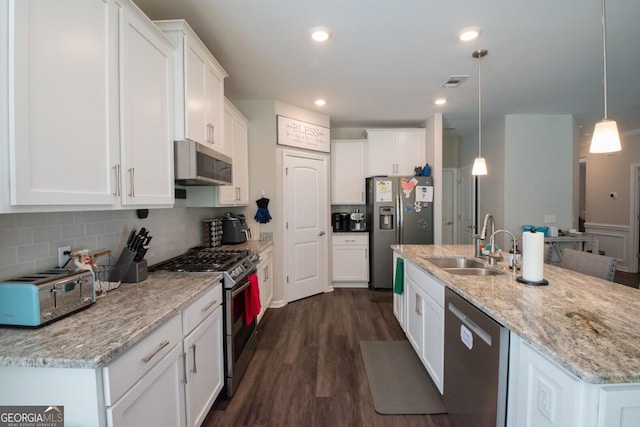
{"points": [[208, 306], [183, 355], [195, 369], [116, 169], [237, 193], [266, 273], [132, 175], [150, 356], [418, 305], [366, 253]]}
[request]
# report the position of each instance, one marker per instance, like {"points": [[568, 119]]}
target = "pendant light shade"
{"points": [[606, 138], [479, 164]]}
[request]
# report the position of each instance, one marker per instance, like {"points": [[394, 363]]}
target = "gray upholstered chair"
{"points": [[548, 253], [600, 266]]}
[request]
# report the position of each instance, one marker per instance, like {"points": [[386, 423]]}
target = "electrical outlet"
{"points": [[62, 258], [546, 399]]}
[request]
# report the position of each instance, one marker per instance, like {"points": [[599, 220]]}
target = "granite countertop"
{"points": [[589, 326], [251, 245], [93, 337]]}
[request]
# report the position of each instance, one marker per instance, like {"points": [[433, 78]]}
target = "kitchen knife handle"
{"points": [[130, 238]]}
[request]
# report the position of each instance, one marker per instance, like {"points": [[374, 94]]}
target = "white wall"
{"points": [[540, 169], [532, 167], [265, 166]]}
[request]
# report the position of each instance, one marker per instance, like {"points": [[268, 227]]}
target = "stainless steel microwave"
{"points": [[197, 164]]}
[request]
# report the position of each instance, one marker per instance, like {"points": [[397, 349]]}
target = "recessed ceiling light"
{"points": [[440, 101], [469, 34], [320, 102], [320, 34]]}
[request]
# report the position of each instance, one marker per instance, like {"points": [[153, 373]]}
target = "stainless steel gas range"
{"points": [[237, 266]]}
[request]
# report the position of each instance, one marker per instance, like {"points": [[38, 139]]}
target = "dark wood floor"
{"points": [[628, 279], [308, 370]]}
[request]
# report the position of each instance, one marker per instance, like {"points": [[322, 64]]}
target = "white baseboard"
{"points": [[350, 284]]}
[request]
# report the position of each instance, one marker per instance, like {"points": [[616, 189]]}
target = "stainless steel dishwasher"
{"points": [[476, 350]]}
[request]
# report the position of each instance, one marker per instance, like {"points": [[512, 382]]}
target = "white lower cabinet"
{"points": [[265, 280], [543, 394], [157, 399], [350, 259], [173, 376], [149, 372], [425, 320], [205, 371]]}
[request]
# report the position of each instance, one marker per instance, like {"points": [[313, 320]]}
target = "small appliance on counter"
{"points": [[38, 299], [340, 222], [357, 221], [234, 229]]}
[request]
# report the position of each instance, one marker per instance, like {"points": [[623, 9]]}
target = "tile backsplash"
{"points": [[29, 242]]}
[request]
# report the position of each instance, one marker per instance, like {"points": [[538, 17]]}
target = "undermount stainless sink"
{"points": [[455, 262], [463, 266], [475, 271]]}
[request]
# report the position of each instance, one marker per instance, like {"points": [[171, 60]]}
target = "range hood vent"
{"points": [[454, 81]]}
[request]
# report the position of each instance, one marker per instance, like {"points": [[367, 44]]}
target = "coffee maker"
{"points": [[340, 222], [357, 221]]}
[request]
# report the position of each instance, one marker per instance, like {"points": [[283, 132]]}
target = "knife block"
{"points": [[132, 272]]}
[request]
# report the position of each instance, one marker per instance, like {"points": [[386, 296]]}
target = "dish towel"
{"points": [[252, 300], [398, 286]]}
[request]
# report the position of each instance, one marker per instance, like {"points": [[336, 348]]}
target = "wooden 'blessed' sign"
{"points": [[296, 133]]}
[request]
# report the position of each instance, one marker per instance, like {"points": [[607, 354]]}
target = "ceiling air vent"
{"points": [[454, 81]]}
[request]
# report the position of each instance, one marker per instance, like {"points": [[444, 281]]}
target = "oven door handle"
{"points": [[240, 289]]}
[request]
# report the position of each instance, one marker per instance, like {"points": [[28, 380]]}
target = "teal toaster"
{"points": [[38, 299]]}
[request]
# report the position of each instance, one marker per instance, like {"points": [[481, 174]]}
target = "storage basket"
{"points": [[107, 277]]}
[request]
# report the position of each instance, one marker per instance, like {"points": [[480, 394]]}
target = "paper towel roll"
{"points": [[532, 256]]}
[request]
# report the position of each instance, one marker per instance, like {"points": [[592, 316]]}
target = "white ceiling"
{"points": [[387, 59]]}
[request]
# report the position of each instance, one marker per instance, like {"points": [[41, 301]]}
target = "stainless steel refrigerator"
{"points": [[399, 211]]}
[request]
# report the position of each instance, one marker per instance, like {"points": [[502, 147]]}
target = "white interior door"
{"points": [[306, 216], [465, 206], [449, 191]]}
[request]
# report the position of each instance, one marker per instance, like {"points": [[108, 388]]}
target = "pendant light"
{"points": [[479, 164], [605, 134]]}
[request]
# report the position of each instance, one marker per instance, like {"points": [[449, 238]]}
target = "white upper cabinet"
{"points": [[236, 135], [348, 171], [198, 88], [395, 151], [89, 102], [147, 134], [63, 127]]}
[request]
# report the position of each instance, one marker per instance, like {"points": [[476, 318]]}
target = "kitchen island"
{"points": [[96, 359], [586, 328]]}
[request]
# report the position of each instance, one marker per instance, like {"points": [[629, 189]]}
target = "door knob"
{"points": [[321, 233]]}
